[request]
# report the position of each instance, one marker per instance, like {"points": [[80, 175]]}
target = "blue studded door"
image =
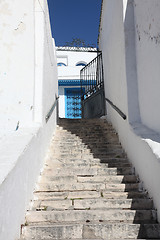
{"points": [[73, 102]]}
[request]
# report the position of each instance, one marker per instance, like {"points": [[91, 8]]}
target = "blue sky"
{"points": [[74, 19]]}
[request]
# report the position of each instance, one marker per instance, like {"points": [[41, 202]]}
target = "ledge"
{"points": [[148, 135], [12, 146]]}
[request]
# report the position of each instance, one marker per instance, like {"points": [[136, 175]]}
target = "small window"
{"points": [[81, 64], [61, 64]]}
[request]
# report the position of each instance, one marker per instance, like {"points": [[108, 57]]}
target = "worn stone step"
{"points": [[73, 186], [87, 164], [67, 140], [94, 179], [136, 204], [90, 171], [70, 147], [112, 160], [49, 205], [124, 195], [52, 195], [54, 187], [88, 195], [88, 156], [77, 162], [100, 203], [110, 179], [93, 231], [66, 195], [73, 150], [86, 239], [122, 187], [58, 179], [73, 155], [114, 215]]}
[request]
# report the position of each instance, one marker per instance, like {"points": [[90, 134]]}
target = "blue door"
{"points": [[73, 102]]}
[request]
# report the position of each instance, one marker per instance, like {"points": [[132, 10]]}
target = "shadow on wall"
{"points": [[131, 64], [103, 144], [131, 76]]}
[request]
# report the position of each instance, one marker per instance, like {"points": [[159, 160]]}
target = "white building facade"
{"points": [[70, 61]]}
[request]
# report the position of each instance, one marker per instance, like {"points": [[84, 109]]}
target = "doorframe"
{"points": [[65, 92]]}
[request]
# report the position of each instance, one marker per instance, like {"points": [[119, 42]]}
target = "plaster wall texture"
{"points": [[29, 86], [17, 77], [125, 64], [147, 27]]}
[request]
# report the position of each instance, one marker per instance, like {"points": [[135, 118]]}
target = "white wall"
{"points": [[129, 77], [147, 25], [71, 71], [28, 89], [16, 63]]}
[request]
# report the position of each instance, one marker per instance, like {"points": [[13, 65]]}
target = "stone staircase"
{"points": [[88, 189]]}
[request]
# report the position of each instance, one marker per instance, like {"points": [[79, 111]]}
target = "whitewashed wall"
{"points": [[71, 58], [28, 88], [17, 63], [129, 40], [147, 27]]}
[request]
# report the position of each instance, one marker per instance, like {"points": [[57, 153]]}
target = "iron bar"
{"points": [[92, 73], [51, 110], [117, 109]]}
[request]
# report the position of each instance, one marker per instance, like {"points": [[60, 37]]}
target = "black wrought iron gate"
{"points": [[93, 98]]}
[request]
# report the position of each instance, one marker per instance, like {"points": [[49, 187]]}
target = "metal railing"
{"points": [[117, 109], [52, 109], [92, 78]]}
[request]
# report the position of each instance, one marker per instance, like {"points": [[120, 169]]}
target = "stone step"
{"points": [[100, 203], [110, 179], [51, 186], [88, 195], [77, 150], [123, 195], [92, 141], [136, 204], [66, 195], [90, 171], [88, 155], [52, 205], [55, 187], [93, 231], [59, 144], [90, 160], [94, 179], [85, 239], [113, 215], [87, 164]]}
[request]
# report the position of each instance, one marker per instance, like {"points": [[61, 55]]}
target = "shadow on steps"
{"points": [[102, 141]]}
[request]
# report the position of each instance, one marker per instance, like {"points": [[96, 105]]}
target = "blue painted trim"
{"points": [[74, 82], [65, 92]]}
